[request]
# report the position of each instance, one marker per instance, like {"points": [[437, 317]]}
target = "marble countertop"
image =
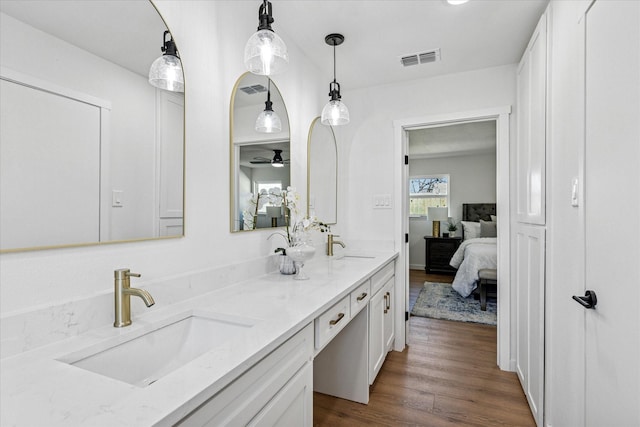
{"points": [[37, 389]]}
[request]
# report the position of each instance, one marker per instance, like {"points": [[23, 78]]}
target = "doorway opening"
{"points": [[500, 116], [451, 166]]}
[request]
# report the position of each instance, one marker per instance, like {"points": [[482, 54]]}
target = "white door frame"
{"points": [[401, 126]]}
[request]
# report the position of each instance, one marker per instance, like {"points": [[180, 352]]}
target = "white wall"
{"points": [[366, 144], [472, 179], [211, 38]]}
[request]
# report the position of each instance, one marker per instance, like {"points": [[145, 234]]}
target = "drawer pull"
{"points": [[334, 322], [388, 301], [362, 296], [386, 304]]}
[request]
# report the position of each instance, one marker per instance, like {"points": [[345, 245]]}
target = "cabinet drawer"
{"points": [[360, 297], [380, 278], [329, 323]]}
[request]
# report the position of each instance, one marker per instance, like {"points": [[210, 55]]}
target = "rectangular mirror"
{"points": [[90, 152]]}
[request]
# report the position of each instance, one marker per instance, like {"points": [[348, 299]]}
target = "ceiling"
{"points": [[475, 35], [453, 140], [128, 33]]}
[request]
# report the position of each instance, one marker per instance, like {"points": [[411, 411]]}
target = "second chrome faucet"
{"points": [[123, 292]]}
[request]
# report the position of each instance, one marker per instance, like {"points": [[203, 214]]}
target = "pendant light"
{"points": [[335, 113], [268, 121], [265, 53], [166, 71]]}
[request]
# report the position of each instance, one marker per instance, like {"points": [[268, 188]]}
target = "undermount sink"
{"points": [[150, 355]]}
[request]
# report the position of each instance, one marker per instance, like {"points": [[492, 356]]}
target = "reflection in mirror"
{"points": [[259, 160], [90, 152], [322, 169]]}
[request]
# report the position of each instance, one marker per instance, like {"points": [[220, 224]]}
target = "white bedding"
{"points": [[471, 256]]}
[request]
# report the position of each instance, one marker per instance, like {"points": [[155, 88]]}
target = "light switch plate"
{"points": [[382, 201], [116, 199]]}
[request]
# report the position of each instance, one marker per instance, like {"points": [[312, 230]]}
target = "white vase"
{"points": [[286, 265]]}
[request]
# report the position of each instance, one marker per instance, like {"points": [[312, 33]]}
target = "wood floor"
{"points": [[447, 376]]}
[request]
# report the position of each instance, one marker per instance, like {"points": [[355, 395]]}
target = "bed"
{"points": [[476, 250]]}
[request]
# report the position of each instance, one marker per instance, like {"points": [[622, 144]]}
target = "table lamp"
{"points": [[435, 215], [274, 213]]}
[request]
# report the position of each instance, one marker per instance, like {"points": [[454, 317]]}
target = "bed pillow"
{"points": [[488, 229], [494, 218], [471, 229]]}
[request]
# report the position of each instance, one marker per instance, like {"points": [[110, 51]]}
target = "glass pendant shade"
{"points": [[265, 53], [268, 122], [166, 73], [335, 113]]}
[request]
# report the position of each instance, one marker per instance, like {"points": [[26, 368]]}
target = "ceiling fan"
{"points": [[276, 162]]}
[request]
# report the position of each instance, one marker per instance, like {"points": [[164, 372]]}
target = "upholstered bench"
{"points": [[488, 279]]}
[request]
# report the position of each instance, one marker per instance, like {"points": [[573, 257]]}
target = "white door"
{"points": [[612, 213], [49, 167]]}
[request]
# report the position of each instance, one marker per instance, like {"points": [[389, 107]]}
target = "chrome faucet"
{"points": [[331, 242], [123, 292]]}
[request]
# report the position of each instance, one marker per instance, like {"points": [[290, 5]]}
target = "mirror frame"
{"points": [[232, 156], [141, 239], [315, 122]]}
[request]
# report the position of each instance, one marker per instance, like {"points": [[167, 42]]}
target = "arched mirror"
{"points": [[90, 152], [259, 159], [322, 170]]}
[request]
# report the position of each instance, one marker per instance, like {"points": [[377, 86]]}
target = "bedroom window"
{"points": [[429, 191]]}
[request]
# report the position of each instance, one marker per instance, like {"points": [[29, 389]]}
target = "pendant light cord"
{"points": [[334, 62]]}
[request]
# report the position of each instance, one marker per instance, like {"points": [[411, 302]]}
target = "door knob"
{"points": [[589, 299]]}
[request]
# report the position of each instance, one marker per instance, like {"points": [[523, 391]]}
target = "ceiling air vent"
{"points": [[252, 90], [421, 58]]}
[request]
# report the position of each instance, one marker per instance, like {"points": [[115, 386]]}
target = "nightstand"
{"points": [[439, 251]]}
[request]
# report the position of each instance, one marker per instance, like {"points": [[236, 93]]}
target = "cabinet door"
{"points": [[279, 387], [530, 267], [388, 322], [530, 144], [293, 405], [376, 334]]}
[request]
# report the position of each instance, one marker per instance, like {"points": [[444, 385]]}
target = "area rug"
{"points": [[441, 301]]}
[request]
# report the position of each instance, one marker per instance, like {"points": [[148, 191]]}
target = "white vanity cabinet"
{"points": [[278, 390], [381, 326]]}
